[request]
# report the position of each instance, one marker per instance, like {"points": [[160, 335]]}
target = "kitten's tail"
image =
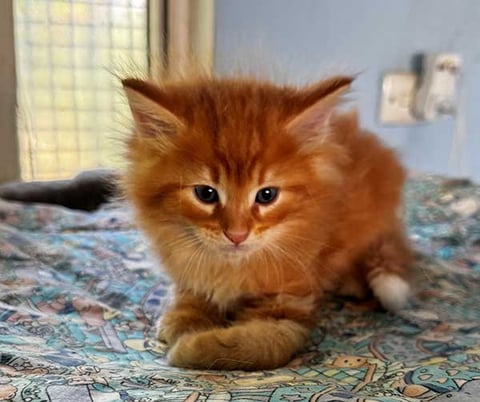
{"points": [[391, 290], [388, 270]]}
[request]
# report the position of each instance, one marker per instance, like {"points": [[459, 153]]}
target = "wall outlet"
{"points": [[398, 98]]}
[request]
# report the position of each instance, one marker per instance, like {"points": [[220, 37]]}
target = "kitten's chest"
{"points": [[224, 283], [219, 282]]}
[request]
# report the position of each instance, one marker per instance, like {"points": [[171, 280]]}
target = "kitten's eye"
{"points": [[206, 194], [266, 195]]}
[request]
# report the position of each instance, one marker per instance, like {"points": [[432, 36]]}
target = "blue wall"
{"points": [[308, 39]]}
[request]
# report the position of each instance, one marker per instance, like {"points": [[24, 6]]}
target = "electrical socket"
{"points": [[407, 98], [437, 92]]}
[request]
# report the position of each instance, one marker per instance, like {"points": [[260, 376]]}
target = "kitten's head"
{"points": [[233, 166]]}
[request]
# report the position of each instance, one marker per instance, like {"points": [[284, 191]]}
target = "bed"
{"points": [[79, 295]]}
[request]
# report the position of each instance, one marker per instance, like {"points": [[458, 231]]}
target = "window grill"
{"points": [[70, 106]]}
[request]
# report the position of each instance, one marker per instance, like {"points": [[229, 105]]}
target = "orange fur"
{"points": [[333, 227]]}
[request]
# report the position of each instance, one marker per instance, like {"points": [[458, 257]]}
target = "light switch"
{"points": [[397, 99]]}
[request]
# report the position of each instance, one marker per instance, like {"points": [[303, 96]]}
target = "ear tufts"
{"points": [[146, 88], [151, 118], [319, 102], [319, 90]]}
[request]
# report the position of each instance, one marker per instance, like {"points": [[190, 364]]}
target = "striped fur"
{"points": [[333, 226]]}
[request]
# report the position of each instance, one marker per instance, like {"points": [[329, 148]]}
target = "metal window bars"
{"points": [[70, 109]]}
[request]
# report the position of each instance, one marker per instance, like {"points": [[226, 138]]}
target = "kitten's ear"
{"points": [[320, 101], [151, 118]]}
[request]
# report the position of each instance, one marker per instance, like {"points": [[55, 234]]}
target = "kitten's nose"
{"points": [[236, 237]]}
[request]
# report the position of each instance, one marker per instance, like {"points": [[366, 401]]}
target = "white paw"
{"points": [[391, 290]]}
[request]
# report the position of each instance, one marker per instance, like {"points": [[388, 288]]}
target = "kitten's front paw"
{"points": [[207, 350], [250, 345], [175, 324]]}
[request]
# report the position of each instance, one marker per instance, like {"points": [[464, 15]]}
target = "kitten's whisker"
{"points": [[278, 271], [289, 236], [295, 260], [189, 268], [185, 239]]}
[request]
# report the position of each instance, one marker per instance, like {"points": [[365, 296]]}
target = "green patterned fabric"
{"points": [[79, 297]]}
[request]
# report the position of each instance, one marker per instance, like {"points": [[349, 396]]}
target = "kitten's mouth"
{"points": [[233, 249]]}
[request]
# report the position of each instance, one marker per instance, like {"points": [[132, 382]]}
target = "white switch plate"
{"points": [[397, 99]]}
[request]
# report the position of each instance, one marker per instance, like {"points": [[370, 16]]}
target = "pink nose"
{"points": [[236, 237]]}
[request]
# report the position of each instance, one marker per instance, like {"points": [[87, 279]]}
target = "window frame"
{"points": [[9, 148]]}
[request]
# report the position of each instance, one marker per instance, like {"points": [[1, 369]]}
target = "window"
{"points": [[72, 113]]}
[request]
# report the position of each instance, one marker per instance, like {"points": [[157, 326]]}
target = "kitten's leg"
{"points": [[253, 345], [188, 313], [386, 266], [263, 338]]}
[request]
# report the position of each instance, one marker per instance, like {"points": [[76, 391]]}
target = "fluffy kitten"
{"points": [[259, 199]]}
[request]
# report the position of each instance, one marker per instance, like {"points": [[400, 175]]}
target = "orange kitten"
{"points": [[259, 199]]}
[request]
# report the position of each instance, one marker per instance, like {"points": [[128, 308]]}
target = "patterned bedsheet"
{"points": [[79, 297]]}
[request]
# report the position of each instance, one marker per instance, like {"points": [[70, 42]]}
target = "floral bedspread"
{"points": [[79, 296]]}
